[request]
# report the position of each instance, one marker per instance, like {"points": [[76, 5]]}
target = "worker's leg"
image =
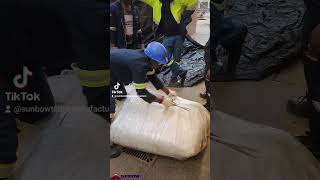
{"points": [[177, 55], [301, 106], [178, 48], [235, 48], [169, 44], [87, 23], [312, 76], [310, 21], [8, 138], [232, 41]]}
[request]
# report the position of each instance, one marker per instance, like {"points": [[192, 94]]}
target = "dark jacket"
{"points": [[117, 27], [132, 66]]}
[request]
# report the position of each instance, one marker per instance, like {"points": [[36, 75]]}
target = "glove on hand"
{"points": [[167, 102], [172, 94]]}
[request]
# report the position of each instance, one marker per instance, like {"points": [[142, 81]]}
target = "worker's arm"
{"points": [[113, 27], [159, 85], [153, 78], [186, 15], [139, 76]]}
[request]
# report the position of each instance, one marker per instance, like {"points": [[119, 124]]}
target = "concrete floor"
{"points": [[68, 144], [265, 101]]}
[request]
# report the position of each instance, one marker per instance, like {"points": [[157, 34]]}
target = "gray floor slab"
{"points": [[253, 151], [65, 154], [67, 145], [264, 101]]}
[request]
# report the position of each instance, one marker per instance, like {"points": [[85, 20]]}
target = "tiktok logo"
{"points": [[116, 87], [21, 80]]}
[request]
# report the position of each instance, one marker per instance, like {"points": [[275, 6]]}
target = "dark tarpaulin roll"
{"points": [[274, 35], [193, 61]]}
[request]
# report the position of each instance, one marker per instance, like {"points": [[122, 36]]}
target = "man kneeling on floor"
{"points": [[137, 66]]}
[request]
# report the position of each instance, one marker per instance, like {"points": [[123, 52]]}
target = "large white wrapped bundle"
{"points": [[174, 132]]}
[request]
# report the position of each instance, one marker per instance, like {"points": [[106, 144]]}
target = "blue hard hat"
{"points": [[156, 51]]}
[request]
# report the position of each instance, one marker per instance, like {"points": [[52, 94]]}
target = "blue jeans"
{"points": [[174, 46]]}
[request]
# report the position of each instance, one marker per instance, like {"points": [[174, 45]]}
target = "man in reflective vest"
{"points": [[172, 17]]}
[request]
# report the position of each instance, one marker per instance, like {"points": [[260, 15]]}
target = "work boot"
{"points": [[204, 95], [183, 76], [6, 170], [174, 80], [115, 151], [300, 106]]}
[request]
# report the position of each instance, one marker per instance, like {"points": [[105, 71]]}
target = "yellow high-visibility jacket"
{"points": [[177, 8]]}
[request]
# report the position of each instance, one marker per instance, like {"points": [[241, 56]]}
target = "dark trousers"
{"points": [[310, 21], [231, 37], [312, 75], [312, 68], [174, 46], [233, 42]]}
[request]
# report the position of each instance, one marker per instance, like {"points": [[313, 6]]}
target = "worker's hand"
{"points": [[159, 99], [112, 116], [172, 94], [167, 102]]}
